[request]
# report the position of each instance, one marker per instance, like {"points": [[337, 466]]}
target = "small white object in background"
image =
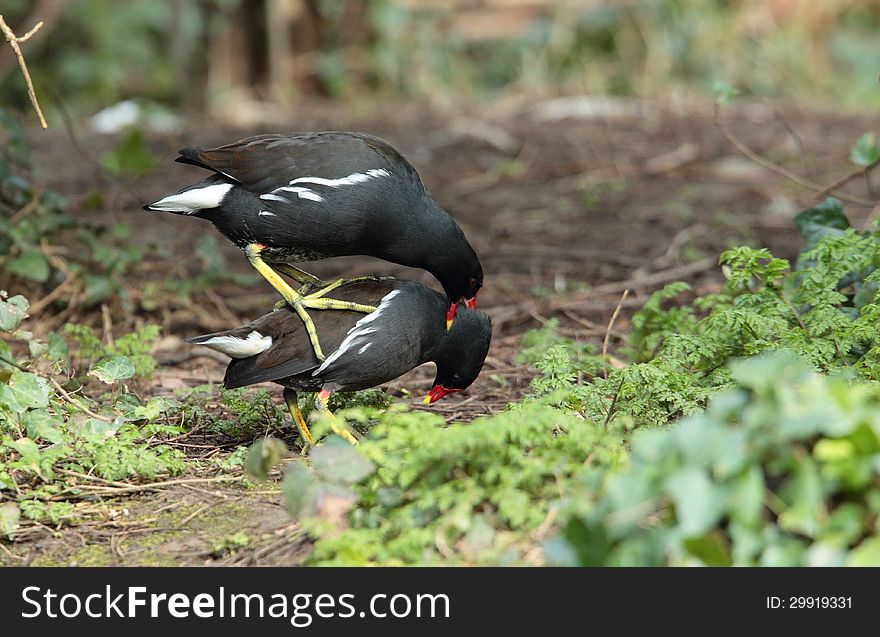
{"points": [[114, 118], [591, 107], [127, 113]]}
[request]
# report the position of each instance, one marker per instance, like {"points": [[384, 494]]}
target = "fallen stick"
{"points": [[507, 313]]}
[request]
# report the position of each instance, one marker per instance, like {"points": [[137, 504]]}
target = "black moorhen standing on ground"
{"points": [[404, 331], [300, 197]]}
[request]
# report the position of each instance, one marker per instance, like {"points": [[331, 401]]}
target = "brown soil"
{"points": [[565, 215]]}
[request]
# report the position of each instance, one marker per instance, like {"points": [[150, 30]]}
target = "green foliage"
{"points": [[135, 347], [467, 493], [865, 152], [779, 471], [46, 432], [130, 157]]}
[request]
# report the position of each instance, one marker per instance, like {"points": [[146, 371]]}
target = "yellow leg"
{"points": [[321, 402], [336, 304], [300, 276], [293, 298], [300, 303], [293, 407]]}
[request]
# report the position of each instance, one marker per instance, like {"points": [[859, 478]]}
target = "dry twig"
{"points": [[608, 332], [785, 172], [14, 42]]}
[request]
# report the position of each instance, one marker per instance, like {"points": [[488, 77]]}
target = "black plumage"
{"points": [[309, 196], [406, 330]]}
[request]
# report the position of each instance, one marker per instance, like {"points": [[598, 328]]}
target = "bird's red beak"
{"points": [[437, 392], [450, 314]]}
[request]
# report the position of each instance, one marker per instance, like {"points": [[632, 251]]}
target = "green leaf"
{"points": [[113, 369], [724, 92], [711, 549], [865, 554], [9, 517], [131, 157], [865, 152], [263, 455], [298, 489], [12, 311], [30, 264], [29, 451], [24, 391], [698, 502], [826, 219], [58, 350], [341, 462], [803, 493], [39, 423]]}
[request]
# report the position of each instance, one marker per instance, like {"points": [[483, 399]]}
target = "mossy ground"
{"points": [[177, 527]]}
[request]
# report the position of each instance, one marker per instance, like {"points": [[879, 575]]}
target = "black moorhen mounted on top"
{"points": [[300, 197], [404, 331]]}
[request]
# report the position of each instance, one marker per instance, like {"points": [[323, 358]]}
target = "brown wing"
{"points": [[291, 351], [265, 162]]}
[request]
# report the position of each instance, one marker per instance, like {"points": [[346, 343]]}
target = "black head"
{"points": [[461, 352], [462, 281]]}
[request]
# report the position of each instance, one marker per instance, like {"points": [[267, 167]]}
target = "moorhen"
{"points": [[404, 331], [300, 197]]}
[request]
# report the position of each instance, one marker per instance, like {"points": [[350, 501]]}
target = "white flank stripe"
{"points": [[364, 348], [266, 213], [351, 180], [358, 332], [235, 347], [191, 201], [302, 193]]}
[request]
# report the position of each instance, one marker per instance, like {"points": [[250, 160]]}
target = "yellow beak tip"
{"points": [[427, 400], [448, 324]]}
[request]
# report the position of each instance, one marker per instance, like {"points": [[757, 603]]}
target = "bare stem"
{"points": [[14, 42]]}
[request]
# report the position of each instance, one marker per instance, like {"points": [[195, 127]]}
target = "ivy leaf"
{"points": [[865, 554], [711, 549], [803, 493], [698, 502], [341, 462], [58, 351], [9, 517], [12, 311], [39, 423], [865, 152], [826, 219], [30, 264], [102, 427], [263, 455], [24, 391], [30, 453], [113, 369], [298, 488]]}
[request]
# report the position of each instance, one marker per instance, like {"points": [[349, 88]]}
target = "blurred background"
{"points": [[244, 61]]}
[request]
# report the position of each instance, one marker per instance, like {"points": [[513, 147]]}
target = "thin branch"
{"points": [[608, 332], [14, 42], [70, 399], [846, 179], [781, 170]]}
